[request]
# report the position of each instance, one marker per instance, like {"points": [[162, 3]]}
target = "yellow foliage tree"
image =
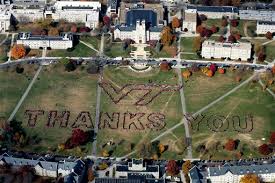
{"points": [[102, 166], [166, 36], [197, 43], [161, 148], [186, 74], [61, 147], [186, 167], [53, 32], [250, 178], [105, 153], [18, 51], [204, 70], [175, 23]]}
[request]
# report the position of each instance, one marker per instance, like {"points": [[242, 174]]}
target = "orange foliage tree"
{"points": [[175, 23], [90, 174], [230, 145], [161, 148], [273, 69], [186, 74], [264, 149], [197, 43], [272, 138], [186, 167], [166, 36], [250, 178], [53, 32], [210, 73], [18, 51], [221, 70]]}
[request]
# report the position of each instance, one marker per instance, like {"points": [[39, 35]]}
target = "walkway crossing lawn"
{"points": [[12, 87], [80, 50], [93, 40], [210, 22], [248, 100], [200, 90], [240, 28], [4, 49], [189, 56], [167, 103], [58, 90]]}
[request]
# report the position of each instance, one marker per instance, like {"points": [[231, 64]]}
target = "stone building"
{"points": [[64, 41], [265, 26], [190, 20], [5, 20], [234, 51]]}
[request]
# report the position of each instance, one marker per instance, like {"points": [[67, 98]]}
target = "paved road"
{"points": [[206, 107], [183, 104], [25, 94], [97, 113]]}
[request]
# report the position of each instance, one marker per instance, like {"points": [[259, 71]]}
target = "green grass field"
{"points": [[4, 48], [250, 99], [116, 50], [58, 90], [186, 44], [168, 103], [93, 40], [80, 50]]}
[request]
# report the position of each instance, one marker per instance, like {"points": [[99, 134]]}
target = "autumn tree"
{"points": [[234, 22], [18, 51], [214, 29], [264, 149], [53, 32], [186, 167], [79, 137], [203, 17], [200, 29], [197, 44], [213, 67], [164, 66], [236, 2], [221, 70], [250, 178], [90, 174], [231, 39], [221, 39], [186, 74], [273, 70], [161, 148], [272, 138], [166, 36], [172, 168], [261, 56], [224, 22], [74, 28], [230, 145], [106, 20], [175, 23], [237, 36], [269, 35]]}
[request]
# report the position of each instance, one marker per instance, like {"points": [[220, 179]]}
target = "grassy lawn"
{"points": [[210, 22], [80, 50], [248, 100], [93, 40], [186, 44], [2, 37], [116, 50], [251, 28], [162, 54], [58, 90], [12, 88], [200, 90], [167, 103], [189, 56], [4, 49], [239, 29], [269, 50]]}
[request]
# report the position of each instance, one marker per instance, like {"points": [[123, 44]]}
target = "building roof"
{"points": [[112, 4], [227, 44], [125, 28], [225, 9], [266, 23], [133, 15], [31, 37], [20, 161], [242, 170], [52, 166], [116, 180], [155, 29]]}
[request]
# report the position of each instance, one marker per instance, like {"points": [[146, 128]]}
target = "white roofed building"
{"points": [[5, 20], [190, 20], [265, 26], [235, 51]]}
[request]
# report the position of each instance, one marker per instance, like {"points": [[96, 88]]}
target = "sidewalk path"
{"points": [[25, 94], [183, 106], [89, 45], [270, 91], [97, 113]]}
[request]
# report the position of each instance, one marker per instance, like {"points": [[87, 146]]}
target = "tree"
{"points": [[230, 145], [79, 137], [236, 2], [186, 167], [237, 36], [164, 66], [208, 33], [74, 28], [250, 178], [221, 70], [18, 51], [166, 36], [261, 56], [203, 17], [90, 174], [197, 44], [221, 39], [161, 148], [264, 149], [269, 35], [172, 168], [53, 32], [106, 20], [213, 68], [186, 74], [272, 138], [70, 66], [224, 22], [210, 73], [200, 29], [231, 39], [234, 22], [273, 69], [175, 23], [214, 29]]}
